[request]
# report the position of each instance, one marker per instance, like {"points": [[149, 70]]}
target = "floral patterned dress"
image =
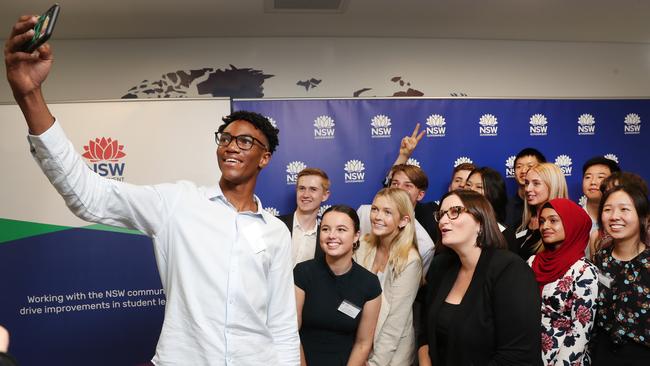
{"points": [[568, 312], [624, 298]]}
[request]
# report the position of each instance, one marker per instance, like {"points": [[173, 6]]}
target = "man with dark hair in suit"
{"points": [[525, 159], [312, 189]]}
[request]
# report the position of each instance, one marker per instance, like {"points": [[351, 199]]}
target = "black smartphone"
{"points": [[43, 29]]}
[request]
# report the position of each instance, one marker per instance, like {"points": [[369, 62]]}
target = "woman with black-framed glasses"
{"points": [[482, 305]]}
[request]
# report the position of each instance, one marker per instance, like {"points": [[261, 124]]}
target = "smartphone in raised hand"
{"points": [[43, 29]]}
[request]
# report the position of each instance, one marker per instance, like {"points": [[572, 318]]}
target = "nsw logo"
{"points": [[564, 163], [380, 126], [488, 125], [612, 157], [104, 156], [538, 125], [272, 210], [273, 122], [510, 166], [413, 162], [462, 160], [436, 126], [322, 210], [586, 124], [582, 201], [324, 127], [632, 124], [293, 168], [354, 171]]}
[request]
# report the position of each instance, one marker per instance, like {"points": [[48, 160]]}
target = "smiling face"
{"points": [[460, 232], [550, 224], [385, 218], [475, 183], [620, 218], [537, 191], [241, 166], [310, 193], [522, 165], [458, 180], [594, 175], [401, 180], [337, 234]]}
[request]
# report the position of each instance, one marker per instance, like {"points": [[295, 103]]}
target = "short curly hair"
{"points": [[258, 121]]}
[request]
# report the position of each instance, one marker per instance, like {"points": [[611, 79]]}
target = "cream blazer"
{"points": [[394, 342]]}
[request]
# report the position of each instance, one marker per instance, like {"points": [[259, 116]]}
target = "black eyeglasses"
{"points": [[244, 142], [453, 213]]}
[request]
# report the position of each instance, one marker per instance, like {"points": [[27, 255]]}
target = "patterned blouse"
{"points": [[624, 297], [568, 312]]}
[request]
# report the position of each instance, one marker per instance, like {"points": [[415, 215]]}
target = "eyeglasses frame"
{"points": [[236, 139]]}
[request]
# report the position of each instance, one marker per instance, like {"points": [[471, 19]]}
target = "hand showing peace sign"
{"points": [[409, 143]]}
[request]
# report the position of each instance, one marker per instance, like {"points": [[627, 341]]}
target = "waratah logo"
{"points": [[586, 124], [462, 160], [436, 126], [632, 124], [324, 127], [538, 125], [413, 162], [273, 122], [564, 162], [293, 168], [380, 126], [488, 125], [510, 166], [322, 210], [272, 210], [612, 157], [582, 201], [354, 171], [104, 154]]}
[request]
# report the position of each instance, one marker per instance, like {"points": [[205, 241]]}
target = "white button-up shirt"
{"points": [[227, 275], [303, 242]]}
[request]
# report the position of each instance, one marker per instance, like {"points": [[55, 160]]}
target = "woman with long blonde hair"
{"points": [[543, 183], [390, 251]]}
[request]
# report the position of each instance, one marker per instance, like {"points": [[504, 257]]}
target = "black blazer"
{"points": [[288, 220], [499, 319]]}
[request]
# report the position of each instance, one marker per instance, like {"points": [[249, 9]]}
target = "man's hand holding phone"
{"points": [[26, 72]]}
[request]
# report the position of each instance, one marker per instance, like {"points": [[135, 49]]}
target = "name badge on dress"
{"points": [[521, 233], [349, 309], [605, 279]]}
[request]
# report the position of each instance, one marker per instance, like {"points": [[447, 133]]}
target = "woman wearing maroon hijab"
{"points": [[568, 283]]}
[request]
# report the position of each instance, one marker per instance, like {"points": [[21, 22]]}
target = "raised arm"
{"points": [[408, 145], [26, 72], [88, 195]]}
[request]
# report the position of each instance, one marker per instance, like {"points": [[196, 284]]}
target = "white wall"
{"points": [[106, 69]]}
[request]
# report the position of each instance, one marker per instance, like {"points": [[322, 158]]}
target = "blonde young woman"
{"points": [[390, 251], [543, 183]]}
